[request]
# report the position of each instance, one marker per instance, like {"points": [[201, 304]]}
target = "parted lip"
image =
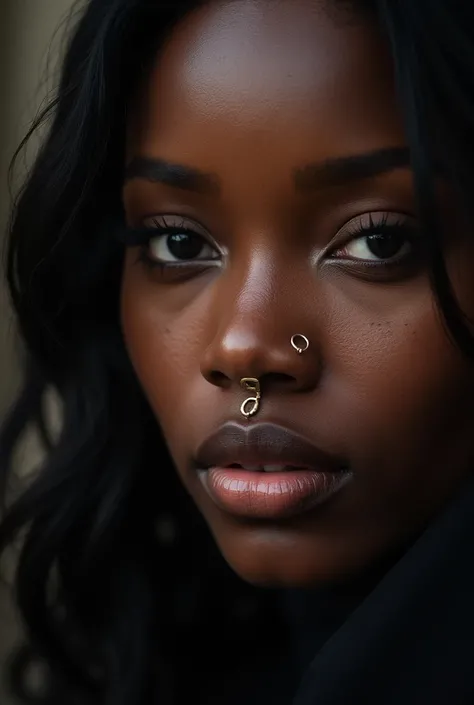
{"points": [[263, 444]]}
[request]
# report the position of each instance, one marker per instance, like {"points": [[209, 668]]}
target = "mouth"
{"points": [[267, 471], [275, 467]]}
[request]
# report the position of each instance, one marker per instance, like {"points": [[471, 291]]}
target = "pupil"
{"points": [[385, 246], [184, 246]]}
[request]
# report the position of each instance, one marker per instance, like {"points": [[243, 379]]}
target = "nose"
{"points": [[255, 338]]}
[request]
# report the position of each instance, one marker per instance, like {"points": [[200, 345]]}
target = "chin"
{"points": [[272, 557]]}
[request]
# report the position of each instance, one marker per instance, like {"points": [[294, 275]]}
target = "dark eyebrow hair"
{"points": [[175, 175], [333, 172], [343, 170]]}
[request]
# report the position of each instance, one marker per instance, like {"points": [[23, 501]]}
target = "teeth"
{"points": [[263, 468]]}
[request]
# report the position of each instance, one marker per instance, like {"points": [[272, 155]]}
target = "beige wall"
{"points": [[26, 31]]}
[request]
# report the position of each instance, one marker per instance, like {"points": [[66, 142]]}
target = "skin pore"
{"points": [[270, 100]]}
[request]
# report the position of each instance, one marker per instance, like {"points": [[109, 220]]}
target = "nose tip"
{"points": [[278, 367]]}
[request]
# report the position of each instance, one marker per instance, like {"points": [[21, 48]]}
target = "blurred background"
{"points": [[31, 41]]}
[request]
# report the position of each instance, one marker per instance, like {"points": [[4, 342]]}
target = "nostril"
{"points": [[219, 379], [277, 379]]}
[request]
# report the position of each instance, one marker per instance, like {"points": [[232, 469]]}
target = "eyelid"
{"points": [[359, 225], [163, 221], [370, 219]]}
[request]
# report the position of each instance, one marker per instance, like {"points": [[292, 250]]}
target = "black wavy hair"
{"points": [[114, 611]]}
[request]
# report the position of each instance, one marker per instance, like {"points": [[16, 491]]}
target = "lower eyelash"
{"points": [[152, 263], [155, 264]]}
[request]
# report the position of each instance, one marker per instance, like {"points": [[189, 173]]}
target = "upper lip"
{"points": [[262, 444]]}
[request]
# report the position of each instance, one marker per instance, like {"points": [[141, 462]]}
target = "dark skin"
{"points": [[250, 93]]}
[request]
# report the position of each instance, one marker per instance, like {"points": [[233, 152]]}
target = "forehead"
{"points": [[247, 71], [255, 50]]}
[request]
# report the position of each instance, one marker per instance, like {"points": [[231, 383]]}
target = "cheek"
{"points": [[163, 339], [401, 389]]}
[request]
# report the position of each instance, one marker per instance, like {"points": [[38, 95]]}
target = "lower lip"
{"points": [[275, 495]]}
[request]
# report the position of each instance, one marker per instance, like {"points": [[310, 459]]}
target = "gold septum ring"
{"points": [[251, 405]]}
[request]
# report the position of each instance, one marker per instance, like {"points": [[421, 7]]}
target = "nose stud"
{"points": [[251, 405], [300, 343]]}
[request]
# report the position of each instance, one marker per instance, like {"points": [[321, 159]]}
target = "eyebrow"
{"points": [[344, 170], [174, 175], [333, 172]]}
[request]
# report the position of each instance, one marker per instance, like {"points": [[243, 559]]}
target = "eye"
{"points": [[178, 241], [171, 241], [383, 246], [180, 245], [387, 239]]}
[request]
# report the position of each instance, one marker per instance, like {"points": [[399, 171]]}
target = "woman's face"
{"points": [[267, 157]]}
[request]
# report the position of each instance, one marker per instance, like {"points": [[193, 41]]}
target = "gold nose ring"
{"points": [[300, 343], [251, 405]]}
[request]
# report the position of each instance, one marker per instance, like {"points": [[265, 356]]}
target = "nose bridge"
{"points": [[258, 308], [249, 326]]}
